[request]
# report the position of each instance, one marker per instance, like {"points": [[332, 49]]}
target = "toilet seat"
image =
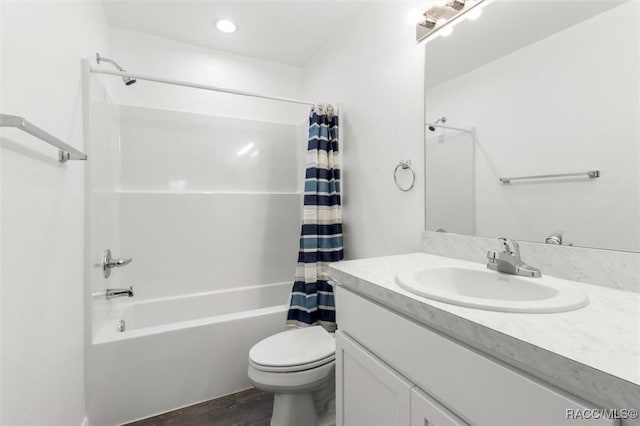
{"points": [[292, 368], [292, 381], [294, 350]]}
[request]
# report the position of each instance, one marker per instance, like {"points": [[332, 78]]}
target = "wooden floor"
{"points": [[247, 408]]}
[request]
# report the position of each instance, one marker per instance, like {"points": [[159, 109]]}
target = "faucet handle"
{"points": [[116, 263], [492, 255], [109, 262], [509, 246]]}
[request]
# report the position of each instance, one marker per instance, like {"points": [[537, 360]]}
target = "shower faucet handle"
{"points": [[108, 263], [116, 263]]}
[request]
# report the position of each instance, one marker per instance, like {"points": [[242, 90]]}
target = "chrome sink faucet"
{"points": [[508, 260]]}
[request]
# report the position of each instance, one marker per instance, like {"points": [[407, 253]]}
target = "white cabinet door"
{"points": [[368, 392], [425, 411]]}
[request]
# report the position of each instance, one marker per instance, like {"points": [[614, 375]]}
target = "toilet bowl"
{"points": [[299, 367]]}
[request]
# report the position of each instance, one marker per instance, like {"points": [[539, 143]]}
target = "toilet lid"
{"points": [[302, 346]]}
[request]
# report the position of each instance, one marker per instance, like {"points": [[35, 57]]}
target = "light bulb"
{"points": [[474, 14], [446, 31], [414, 16], [225, 26]]}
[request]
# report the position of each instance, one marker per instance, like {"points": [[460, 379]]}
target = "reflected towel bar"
{"points": [[66, 152], [592, 174]]}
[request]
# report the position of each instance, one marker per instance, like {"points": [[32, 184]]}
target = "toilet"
{"points": [[299, 367]]}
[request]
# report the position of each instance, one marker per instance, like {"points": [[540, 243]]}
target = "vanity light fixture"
{"points": [[440, 19], [429, 21], [456, 4]]}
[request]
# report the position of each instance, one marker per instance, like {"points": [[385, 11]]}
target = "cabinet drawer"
{"points": [[476, 388]]}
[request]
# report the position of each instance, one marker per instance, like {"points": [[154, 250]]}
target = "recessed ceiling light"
{"points": [[225, 26]]}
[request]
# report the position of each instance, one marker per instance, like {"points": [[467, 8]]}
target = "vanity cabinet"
{"points": [[371, 393], [426, 411], [391, 371]]}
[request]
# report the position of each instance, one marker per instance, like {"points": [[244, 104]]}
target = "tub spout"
{"points": [[119, 292]]}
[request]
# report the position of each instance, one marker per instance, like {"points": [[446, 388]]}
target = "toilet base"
{"points": [[299, 409], [328, 417], [293, 409], [314, 408]]}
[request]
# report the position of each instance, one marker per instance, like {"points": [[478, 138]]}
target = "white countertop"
{"points": [[593, 351]]}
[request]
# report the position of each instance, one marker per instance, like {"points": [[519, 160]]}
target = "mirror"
{"points": [[532, 89]]}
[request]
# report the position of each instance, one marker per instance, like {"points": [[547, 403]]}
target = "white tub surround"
{"points": [[197, 200], [592, 352]]}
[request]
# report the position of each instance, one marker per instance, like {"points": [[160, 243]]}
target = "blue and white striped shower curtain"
{"points": [[321, 235]]}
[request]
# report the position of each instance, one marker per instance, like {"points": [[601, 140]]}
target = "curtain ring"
{"points": [[404, 165]]}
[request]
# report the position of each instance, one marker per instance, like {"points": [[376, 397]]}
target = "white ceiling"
{"points": [[283, 31]]}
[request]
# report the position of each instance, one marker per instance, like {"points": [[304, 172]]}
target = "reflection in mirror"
{"points": [[549, 87]]}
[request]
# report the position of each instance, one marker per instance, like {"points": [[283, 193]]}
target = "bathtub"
{"points": [[177, 351]]}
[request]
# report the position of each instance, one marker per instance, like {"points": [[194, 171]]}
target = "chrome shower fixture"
{"points": [[127, 80], [442, 120]]}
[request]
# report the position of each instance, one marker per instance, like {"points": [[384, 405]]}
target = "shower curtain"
{"points": [[321, 235]]}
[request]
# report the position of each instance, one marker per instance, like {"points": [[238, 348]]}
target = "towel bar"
{"points": [[66, 152]]}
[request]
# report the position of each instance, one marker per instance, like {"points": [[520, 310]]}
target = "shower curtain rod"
{"points": [[198, 86]]}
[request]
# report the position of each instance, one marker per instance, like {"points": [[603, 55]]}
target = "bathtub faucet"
{"points": [[110, 293], [119, 292]]}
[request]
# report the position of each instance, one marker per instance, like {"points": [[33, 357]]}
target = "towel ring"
{"points": [[404, 165]]}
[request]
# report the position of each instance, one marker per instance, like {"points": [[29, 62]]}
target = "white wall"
{"points": [[165, 58], [42, 210], [375, 69], [567, 103]]}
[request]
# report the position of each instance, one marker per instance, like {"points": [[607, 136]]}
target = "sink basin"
{"points": [[490, 290]]}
